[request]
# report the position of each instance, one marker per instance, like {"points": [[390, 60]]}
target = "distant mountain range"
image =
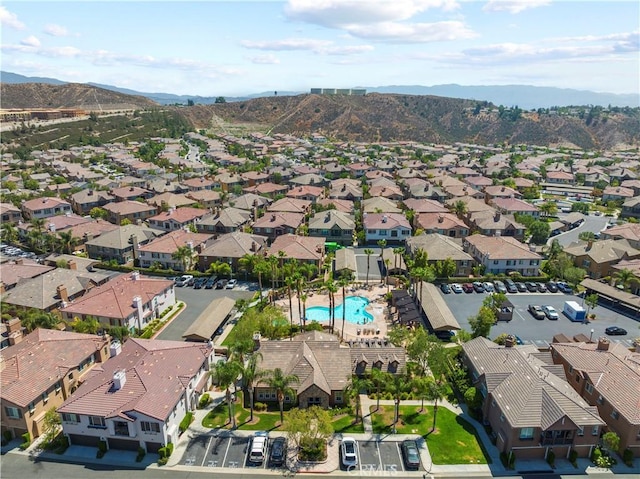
{"points": [[524, 96]]}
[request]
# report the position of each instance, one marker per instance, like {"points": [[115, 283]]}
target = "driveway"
{"points": [[197, 300], [592, 223]]}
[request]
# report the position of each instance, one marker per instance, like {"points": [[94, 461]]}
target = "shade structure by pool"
{"points": [[355, 311]]}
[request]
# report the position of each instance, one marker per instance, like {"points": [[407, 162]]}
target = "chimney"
{"points": [[509, 341], [19, 261], [90, 193], [131, 188], [52, 227], [440, 218], [115, 349], [72, 265], [13, 325], [254, 246], [589, 244], [133, 239], [119, 379], [135, 275], [256, 340], [384, 219], [496, 217], [62, 293], [603, 344], [273, 217]]}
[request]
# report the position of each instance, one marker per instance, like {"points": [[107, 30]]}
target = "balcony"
{"points": [[557, 438]]}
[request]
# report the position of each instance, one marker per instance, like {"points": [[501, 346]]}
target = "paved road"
{"points": [[197, 300], [591, 223]]}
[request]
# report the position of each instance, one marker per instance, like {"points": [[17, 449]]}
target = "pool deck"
{"points": [[377, 328]]}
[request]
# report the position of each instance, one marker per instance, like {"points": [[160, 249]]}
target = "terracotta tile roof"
{"points": [[170, 199], [629, 231], [91, 229], [325, 220], [302, 248], [341, 205], [128, 207], [157, 373], [180, 215], [114, 299], [234, 245], [513, 204], [13, 272], [129, 192], [276, 219], [170, 242], [43, 203], [439, 221], [43, 358], [603, 251], [249, 201], [291, 205], [306, 190], [266, 188], [198, 182], [376, 221], [119, 237], [501, 247], [438, 247], [379, 204]]}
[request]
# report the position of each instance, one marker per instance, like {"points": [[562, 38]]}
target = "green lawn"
{"points": [[345, 424], [454, 440]]}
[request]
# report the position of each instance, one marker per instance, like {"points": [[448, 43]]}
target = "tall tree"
{"points": [[332, 289], [250, 376], [625, 278], [368, 252], [397, 385], [283, 385], [352, 392], [225, 374], [435, 392], [68, 241], [184, 254], [460, 208], [377, 378]]}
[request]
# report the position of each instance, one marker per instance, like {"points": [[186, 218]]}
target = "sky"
{"points": [[234, 48]]}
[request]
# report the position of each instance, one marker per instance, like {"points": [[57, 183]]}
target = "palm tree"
{"points": [[290, 282], [553, 250], [398, 252], [261, 268], [353, 390], [368, 252], [421, 387], [378, 379], [273, 263], [625, 277], [9, 233], [184, 254], [226, 373], [332, 289], [460, 208], [247, 263], [387, 262], [68, 241], [382, 244], [434, 392], [397, 384], [343, 282], [282, 383], [250, 376]]}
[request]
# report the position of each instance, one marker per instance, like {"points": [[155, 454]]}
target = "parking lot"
{"points": [[541, 332], [197, 300], [375, 456]]}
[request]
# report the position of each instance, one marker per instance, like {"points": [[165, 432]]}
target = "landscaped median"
{"points": [[453, 441]]}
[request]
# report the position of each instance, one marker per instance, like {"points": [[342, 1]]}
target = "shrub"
{"points": [[184, 424], [26, 441], [551, 458], [163, 461], [573, 456], [260, 406], [162, 452], [205, 399], [596, 454], [169, 449], [504, 459], [6, 437], [141, 454], [627, 457], [102, 449]]}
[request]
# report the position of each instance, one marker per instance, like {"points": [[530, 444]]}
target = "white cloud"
{"points": [[265, 60], [56, 30], [348, 50], [30, 41], [513, 6], [10, 20], [413, 32], [321, 47], [339, 13]]}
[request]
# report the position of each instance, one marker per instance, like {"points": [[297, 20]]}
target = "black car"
{"points": [[522, 288], [445, 288], [278, 453], [564, 287], [552, 286], [221, 284], [199, 283], [531, 287], [410, 454], [615, 331], [511, 286], [211, 282]]}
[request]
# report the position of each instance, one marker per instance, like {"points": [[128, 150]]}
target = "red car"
{"points": [[467, 288]]}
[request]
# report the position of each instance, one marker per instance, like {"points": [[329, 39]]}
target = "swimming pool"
{"points": [[355, 312]]}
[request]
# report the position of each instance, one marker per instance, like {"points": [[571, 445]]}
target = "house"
{"points": [[44, 208], [131, 193], [346, 206], [20, 269], [378, 204], [122, 244], [84, 201], [494, 223], [86, 231], [10, 213], [631, 208], [291, 205], [229, 248], [150, 386], [132, 211], [560, 177], [333, 225], [274, 224], [309, 193], [159, 251], [205, 198], [226, 220], [309, 179], [270, 190], [369, 354], [177, 218], [598, 257], [167, 200], [628, 231], [322, 366], [40, 371], [346, 189], [446, 224], [250, 202], [512, 206], [440, 248], [527, 402], [128, 300], [502, 255], [498, 191], [606, 375], [424, 205], [303, 249], [198, 184], [617, 193], [392, 227]]}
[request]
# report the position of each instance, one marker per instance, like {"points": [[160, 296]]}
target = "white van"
{"points": [[258, 451]]}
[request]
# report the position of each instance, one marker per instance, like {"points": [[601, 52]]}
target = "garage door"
{"points": [[153, 446], [80, 440], [125, 444]]}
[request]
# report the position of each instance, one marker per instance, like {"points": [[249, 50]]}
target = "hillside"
{"points": [[70, 95], [386, 117]]}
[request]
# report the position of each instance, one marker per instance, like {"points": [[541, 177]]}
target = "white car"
{"points": [[231, 283], [488, 287], [456, 288], [550, 312], [184, 280], [349, 451]]}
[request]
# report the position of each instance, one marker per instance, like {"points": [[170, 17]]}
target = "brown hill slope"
{"points": [[71, 95], [388, 117]]}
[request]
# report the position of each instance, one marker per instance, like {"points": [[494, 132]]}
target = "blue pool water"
{"points": [[355, 312]]}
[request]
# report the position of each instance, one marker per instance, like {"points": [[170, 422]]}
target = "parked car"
{"points": [[349, 451], [211, 282], [184, 280], [445, 288], [231, 283], [536, 311], [522, 287], [531, 287], [410, 454], [278, 453], [550, 312], [511, 286], [456, 288], [500, 287], [478, 287], [564, 287], [444, 335], [221, 284], [488, 287], [542, 288], [467, 288], [552, 286], [259, 444], [199, 283], [615, 331]]}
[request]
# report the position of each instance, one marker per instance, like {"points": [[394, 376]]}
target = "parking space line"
{"points": [[206, 450], [246, 452], [379, 455], [400, 456], [226, 451]]}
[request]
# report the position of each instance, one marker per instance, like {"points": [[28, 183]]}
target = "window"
{"points": [[32, 407], [589, 388], [495, 261], [493, 403], [97, 421], [338, 397], [570, 369], [501, 417], [595, 430], [526, 433], [13, 412], [394, 233], [577, 378], [45, 396], [68, 417], [600, 400], [150, 426], [615, 414], [580, 431], [383, 233]]}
